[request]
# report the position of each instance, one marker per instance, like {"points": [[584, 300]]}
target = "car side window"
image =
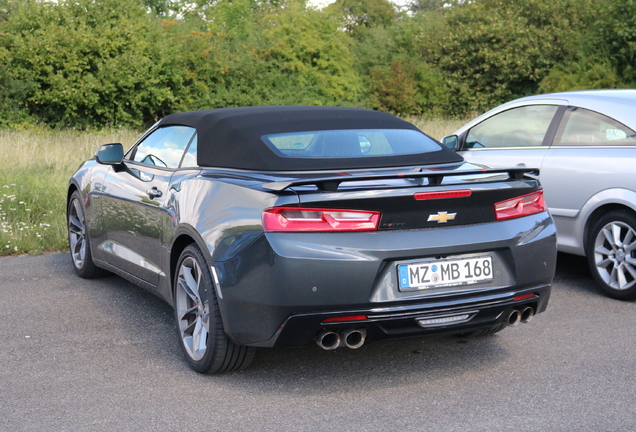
{"points": [[517, 127], [190, 156], [164, 147], [584, 127]]}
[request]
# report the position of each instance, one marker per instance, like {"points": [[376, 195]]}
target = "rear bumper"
{"points": [[280, 289], [403, 321]]}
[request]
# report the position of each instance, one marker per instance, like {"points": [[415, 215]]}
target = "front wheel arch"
{"points": [[72, 188]]}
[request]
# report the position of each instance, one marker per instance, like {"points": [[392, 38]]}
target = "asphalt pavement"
{"points": [[102, 355]]}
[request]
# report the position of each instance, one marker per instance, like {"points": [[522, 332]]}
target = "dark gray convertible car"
{"points": [[292, 225]]}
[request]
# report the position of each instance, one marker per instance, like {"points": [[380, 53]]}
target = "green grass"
{"points": [[35, 166], [438, 128]]}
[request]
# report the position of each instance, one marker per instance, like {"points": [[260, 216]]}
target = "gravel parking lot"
{"points": [[99, 355]]}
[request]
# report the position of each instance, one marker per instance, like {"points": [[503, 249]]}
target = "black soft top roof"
{"points": [[231, 137]]}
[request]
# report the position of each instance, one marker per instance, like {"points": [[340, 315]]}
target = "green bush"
{"points": [[100, 63]]}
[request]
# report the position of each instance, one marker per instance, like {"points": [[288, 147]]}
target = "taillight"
{"points": [[298, 219], [524, 205]]}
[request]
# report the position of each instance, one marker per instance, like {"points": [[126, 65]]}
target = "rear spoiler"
{"points": [[331, 184]]}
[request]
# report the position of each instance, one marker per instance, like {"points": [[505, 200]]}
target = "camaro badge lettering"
{"points": [[441, 217]]}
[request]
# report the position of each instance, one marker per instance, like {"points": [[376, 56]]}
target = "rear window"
{"points": [[350, 143], [584, 127]]}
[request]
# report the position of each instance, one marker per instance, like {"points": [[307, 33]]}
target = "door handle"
{"points": [[154, 192]]}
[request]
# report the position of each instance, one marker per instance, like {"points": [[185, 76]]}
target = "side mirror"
{"points": [[110, 154], [451, 141]]}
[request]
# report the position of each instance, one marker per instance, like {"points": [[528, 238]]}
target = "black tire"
{"points": [[611, 254], [78, 241], [202, 338]]}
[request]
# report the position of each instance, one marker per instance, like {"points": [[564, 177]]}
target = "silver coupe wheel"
{"points": [[192, 308], [614, 255], [77, 233]]}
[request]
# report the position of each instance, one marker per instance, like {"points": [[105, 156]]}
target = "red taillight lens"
{"points": [[298, 219], [524, 205]]}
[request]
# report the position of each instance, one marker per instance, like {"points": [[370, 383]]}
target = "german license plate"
{"points": [[444, 273]]}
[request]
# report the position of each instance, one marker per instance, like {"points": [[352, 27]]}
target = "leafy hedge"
{"points": [[98, 63]]}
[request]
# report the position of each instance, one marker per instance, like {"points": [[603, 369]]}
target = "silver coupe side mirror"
{"points": [[451, 141]]}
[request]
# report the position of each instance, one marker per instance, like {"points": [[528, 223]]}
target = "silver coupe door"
{"points": [[513, 138]]}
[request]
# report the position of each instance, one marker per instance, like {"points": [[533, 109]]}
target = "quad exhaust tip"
{"points": [[521, 315], [527, 314], [328, 340], [514, 317], [350, 338], [353, 338]]}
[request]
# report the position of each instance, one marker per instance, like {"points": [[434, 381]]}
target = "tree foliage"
{"points": [[356, 14], [94, 63], [86, 65]]}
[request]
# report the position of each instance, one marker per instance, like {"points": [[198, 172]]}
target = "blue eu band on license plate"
{"points": [[442, 273]]}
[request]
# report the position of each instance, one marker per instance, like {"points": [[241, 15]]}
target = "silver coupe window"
{"points": [[350, 143], [583, 127], [518, 127]]}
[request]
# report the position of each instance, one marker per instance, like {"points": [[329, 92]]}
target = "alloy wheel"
{"points": [[615, 255], [77, 233], [192, 309]]}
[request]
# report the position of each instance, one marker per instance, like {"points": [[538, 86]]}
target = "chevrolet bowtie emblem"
{"points": [[442, 217]]}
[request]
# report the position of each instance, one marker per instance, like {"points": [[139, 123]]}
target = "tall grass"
{"points": [[35, 166], [438, 128]]}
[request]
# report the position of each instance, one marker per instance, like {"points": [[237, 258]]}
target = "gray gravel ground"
{"points": [[102, 355]]}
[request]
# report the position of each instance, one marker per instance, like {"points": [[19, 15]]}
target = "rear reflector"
{"points": [[524, 205], [346, 318], [298, 219], [523, 297], [443, 194]]}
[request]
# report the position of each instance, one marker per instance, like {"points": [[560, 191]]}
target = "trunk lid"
{"points": [[415, 200]]}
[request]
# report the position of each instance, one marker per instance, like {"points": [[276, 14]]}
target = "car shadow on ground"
{"points": [[572, 272], [393, 363]]}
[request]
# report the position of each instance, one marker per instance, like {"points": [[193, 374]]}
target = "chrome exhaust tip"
{"points": [[353, 338], [514, 316], [526, 314], [328, 340]]}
